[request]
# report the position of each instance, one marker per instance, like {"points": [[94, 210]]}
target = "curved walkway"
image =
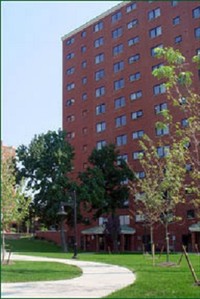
{"points": [[98, 280]]}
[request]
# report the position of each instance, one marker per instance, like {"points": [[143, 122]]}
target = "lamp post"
{"points": [[75, 224], [62, 214]]}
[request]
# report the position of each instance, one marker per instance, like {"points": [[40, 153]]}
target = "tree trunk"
{"points": [[63, 239], [167, 241], [152, 244], [3, 247]]}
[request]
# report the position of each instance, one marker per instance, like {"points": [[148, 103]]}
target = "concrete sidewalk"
{"points": [[98, 280]]}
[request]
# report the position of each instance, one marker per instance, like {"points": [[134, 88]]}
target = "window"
{"points": [[133, 58], [124, 219], [99, 75], [184, 122], [98, 26], [117, 32], [139, 218], [178, 39], [140, 196], [71, 135], [157, 66], [197, 33], [140, 174], [70, 86], [196, 13], [100, 144], [153, 53], [161, 107], [135, 77], [100, 91], [182, 101], [118, 84], [136, 95], [155, 32], [120, 102], [162, 151], [100, 127], [85, 113], [70, 102], [83, 34], [85, 148], [132, 23], [116, 17], [120, 121], [188, 167], [70, 41], [121, 158], [159, 89], [102, 221], [100, 109], [84, 96], [70, 71], [84, 64], [84, 80], [98, 42], [118, 66], [138, 134], [153, 14], [190, 214], [138, 155], [70, 56], [176, 20], [162, 131], [99, 58], [121, 140], [83, 49], [84, 130], [174, 3], [131, 7], [137, 114], [133, 41], [118, 49]]}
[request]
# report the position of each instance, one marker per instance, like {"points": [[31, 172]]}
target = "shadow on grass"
{"points": [[25, 245]]}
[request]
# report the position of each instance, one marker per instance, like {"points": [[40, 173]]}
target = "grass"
{"points": [[19, 271], [151, 281]]}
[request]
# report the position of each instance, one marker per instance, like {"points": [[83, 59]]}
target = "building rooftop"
{"points": [[96, 19]]}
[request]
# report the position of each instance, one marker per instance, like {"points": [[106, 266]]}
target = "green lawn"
{"points": [[151, 281], [20, 271]]}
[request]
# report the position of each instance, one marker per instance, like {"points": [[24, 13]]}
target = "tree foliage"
{"points": [[165, 179], [102, 184], [45, 164], [182, 94]]}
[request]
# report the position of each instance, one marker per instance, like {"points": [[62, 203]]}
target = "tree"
{"points": [[14, 204], [162, 188], [164, 184], [182, 94], [45, 164], [102, 186]]}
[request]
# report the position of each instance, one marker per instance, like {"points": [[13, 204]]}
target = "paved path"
{"points": [[98, 280]]}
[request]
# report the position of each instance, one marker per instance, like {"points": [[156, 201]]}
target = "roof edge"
{"points": [[92, 21]]}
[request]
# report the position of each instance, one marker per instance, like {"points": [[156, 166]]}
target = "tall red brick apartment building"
{"points": [[110, 96]]}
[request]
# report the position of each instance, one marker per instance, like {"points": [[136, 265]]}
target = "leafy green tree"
{"points": [[163, 186], [14, 204], [186, 97], [166, 177], [102, 186], [45, 164]]}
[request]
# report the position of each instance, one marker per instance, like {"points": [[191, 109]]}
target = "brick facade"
{"points": [[109, 91]]}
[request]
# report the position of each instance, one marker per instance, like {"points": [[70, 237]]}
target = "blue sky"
{"points": [[31, 68]]}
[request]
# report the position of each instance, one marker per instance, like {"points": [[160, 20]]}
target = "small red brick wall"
{"points": [[53, 236]]}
